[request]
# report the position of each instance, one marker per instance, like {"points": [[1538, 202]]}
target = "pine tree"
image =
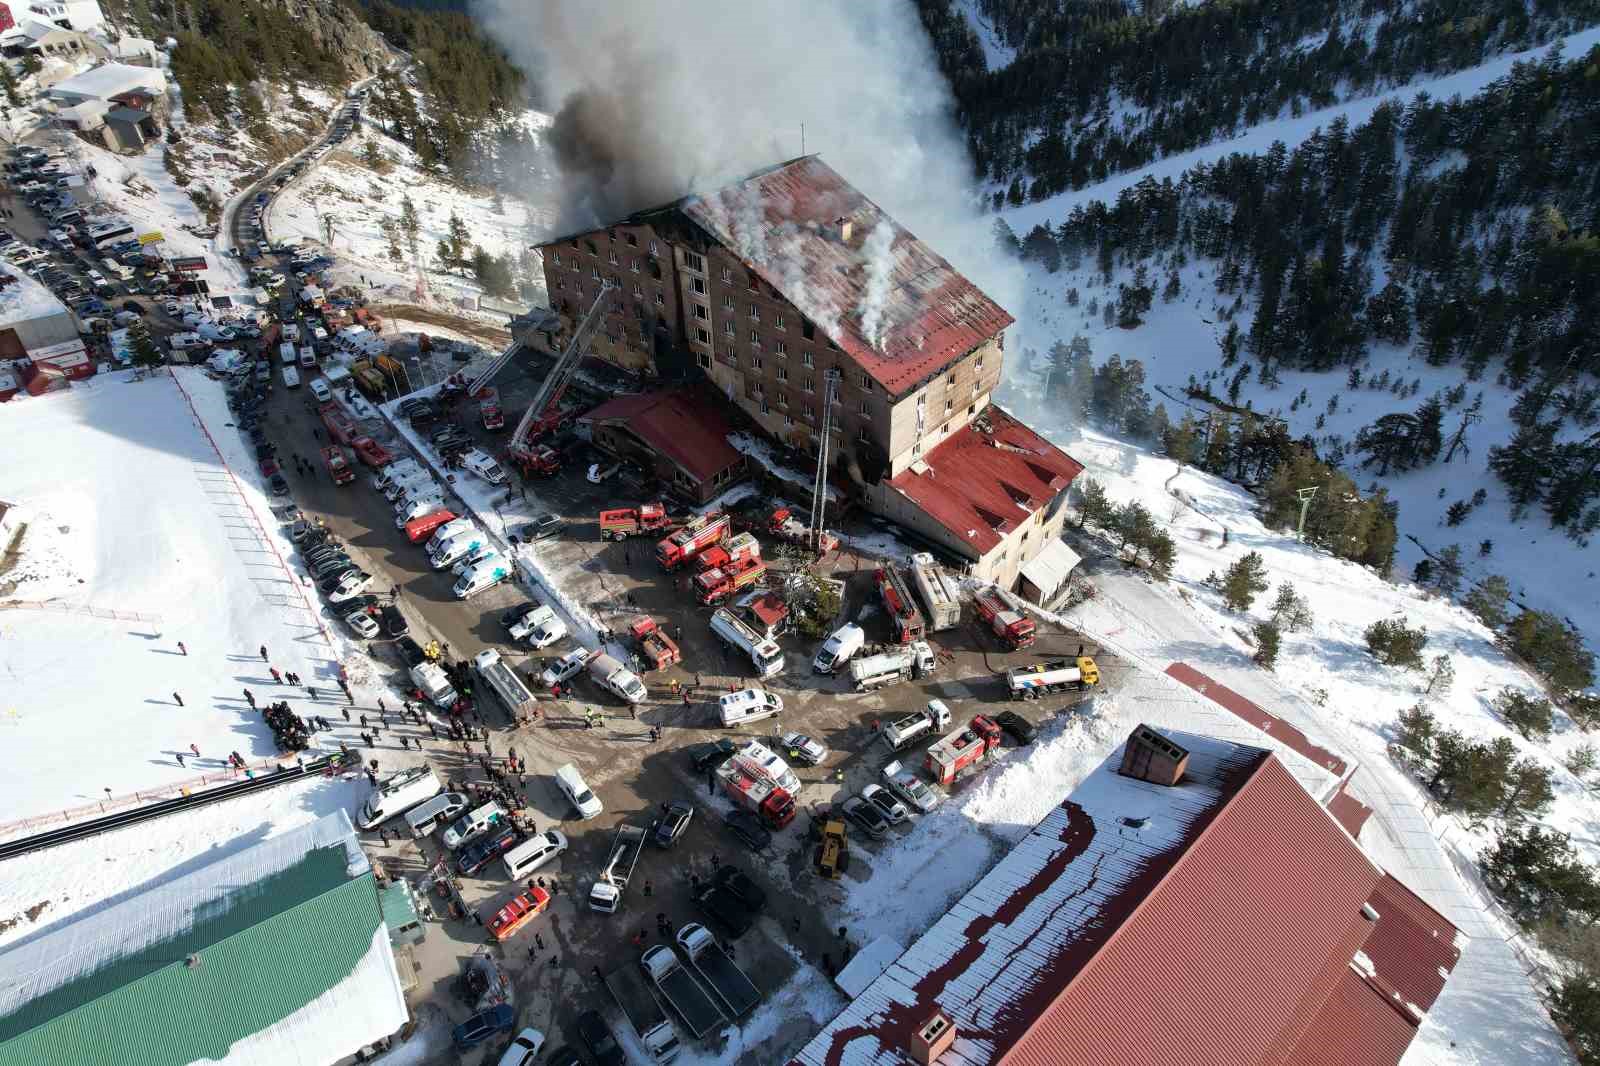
{"points": [[1093, 504], [1527, 792], [1290, 610], [1244, 580], [1415, 734], [1447, 570], [1182, 440], [1488, 600], [1393, 643], [1582, 760], [1132, 523], [1163, 553], [1553, 648], [1441, 676], [1267, 641], [1529, 715], [1575, 1004]]}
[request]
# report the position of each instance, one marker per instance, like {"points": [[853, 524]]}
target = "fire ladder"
{"points": [[897, 597], [819, 487]]}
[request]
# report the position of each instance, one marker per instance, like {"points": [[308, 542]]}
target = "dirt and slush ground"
{"points": [[631, 775]]}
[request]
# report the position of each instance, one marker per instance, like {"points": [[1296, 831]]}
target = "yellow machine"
{"points": [[833, 852], [1088, 672]]}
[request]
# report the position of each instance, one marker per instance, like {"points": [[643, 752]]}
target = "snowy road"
{"points": [[1490, 1011]]}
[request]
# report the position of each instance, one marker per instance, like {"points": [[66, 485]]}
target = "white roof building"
{"points": [[106, 81]]}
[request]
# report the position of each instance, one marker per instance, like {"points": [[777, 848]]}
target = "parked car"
{"points": [[355, 581], [891, 808], [280, 487], [392, 621], [524, 1049], [673, 824], [363, 623], [564, 668], [803, 749], [486, 850], [1020, 729], [480, 1027], [734, 880], [748, 828], [602, 1044], [710, 755], [541, 527], [867, 818]]}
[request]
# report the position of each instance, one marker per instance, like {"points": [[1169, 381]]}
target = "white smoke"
{"points": [[878, 249], [659, 98]]}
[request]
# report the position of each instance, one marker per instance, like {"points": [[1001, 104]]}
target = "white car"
{"points": [[887, 805], [363, 623], [568, 666], [910, 788], [524, 1049], [291, 378], [540, 627], [319, 389], [353, 585], [803, 749]]}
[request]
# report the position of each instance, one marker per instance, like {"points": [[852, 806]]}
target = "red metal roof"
{"points": [[1257, 716], [1349, 811], [680, 424], [980, 484], [885, 298], [1218, 921]]}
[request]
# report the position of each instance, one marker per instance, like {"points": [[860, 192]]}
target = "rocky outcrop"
{"points": [[339, 29]]}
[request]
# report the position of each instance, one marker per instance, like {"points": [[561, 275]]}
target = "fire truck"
{"points": [[338, 466], [736, 549], [340, 428], [619, 523], [514, 916], [657, 649], [1014, 628], [962, 749], [540, 460], [691, 540], [489, 408], [755, 788], [908, 621], [720, 582]]}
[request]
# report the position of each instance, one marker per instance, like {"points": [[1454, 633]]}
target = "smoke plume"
{"points": [[658, 98]]}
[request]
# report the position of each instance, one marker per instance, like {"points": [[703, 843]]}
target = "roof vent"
{"points": [[1135, 823], [1149, 756], [845, 228], [932, 1039], [192, 962], [1369, 912]]}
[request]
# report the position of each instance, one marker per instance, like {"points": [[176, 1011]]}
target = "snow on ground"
{"points": [[996, 54], [130, 566], [1291, 131], [365, 206], [45, 886]]}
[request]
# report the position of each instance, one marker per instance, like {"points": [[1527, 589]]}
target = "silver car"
{"points": [[887, 805], [803, 749]]}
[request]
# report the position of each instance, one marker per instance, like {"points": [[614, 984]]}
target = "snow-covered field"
{"points": [[140, 538]]}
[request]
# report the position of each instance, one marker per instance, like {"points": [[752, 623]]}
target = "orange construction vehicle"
{"points": [[619, 523], [657, 649]]}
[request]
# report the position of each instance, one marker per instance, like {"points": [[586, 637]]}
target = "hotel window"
{"points": [[701, 312], [865, 408], [755, 364], [755, 313], [807, 330], [694, 262], [727, 328], [659, 299], [652, 247], [781, 348], [698, 285], [949, 405], [594, 272], [866, 382], [777, 321], [727, 276], [727, 303], [613, 257], [788, 421], [556, 256], [783, 373], [704, 360], [805, 357], [810, 383], [633, 265], [592, 249], [638, 291], [704, 335]]}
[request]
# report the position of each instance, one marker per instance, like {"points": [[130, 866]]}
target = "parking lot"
{"points": [[632, 775]]}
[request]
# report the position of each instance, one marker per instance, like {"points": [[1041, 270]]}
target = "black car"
{"points": [[410, 652], [280, 487], [393, 622], [482, 852], [517, 614], [673, 824], [301, 529], [597, 1035], [541, 527], [732, 879], [710, 755], [1020, 729], [724, 908], [748, 828]]}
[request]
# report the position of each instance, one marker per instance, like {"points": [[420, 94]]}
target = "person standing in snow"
{"points": [[250, 698], [195, 750], [276, 677], [182, 649], [178, 698], [180, 758], [263, 653]]}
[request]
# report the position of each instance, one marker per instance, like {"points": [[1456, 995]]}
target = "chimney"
{"points": [[1149, 756], [845, 228], [932, 1039]]}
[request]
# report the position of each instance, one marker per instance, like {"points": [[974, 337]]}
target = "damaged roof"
{"points": [[1224, 919], [890, 302], [679, 424], [987, 478]]}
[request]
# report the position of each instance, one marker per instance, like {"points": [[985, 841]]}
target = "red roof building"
{"points": [[1226, 918], [679, 435]]}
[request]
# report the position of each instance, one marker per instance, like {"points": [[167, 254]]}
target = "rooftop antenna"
{"points": [[802, 138]]}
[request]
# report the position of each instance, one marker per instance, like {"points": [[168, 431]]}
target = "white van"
{"points": [[474, 824], [319, 389], [394, 471], [308, 357], [291, 332], [571, 783], [286, 353], [450, 529], [840, 646], [416, 509], [398, 794], [532, 854], [183, 342], [405, 486], [748, 705], [455, 548], [443, 807], [484, 466], [291, 378], [482, 575]]}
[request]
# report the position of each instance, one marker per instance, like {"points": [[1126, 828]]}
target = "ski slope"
{"points": [[1291, 131], [139, 538]]}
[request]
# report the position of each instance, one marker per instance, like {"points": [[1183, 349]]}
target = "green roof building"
{"points": [[276, 954]]}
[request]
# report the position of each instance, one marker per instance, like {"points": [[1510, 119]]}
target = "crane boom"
{"points": [[560, 376]]}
